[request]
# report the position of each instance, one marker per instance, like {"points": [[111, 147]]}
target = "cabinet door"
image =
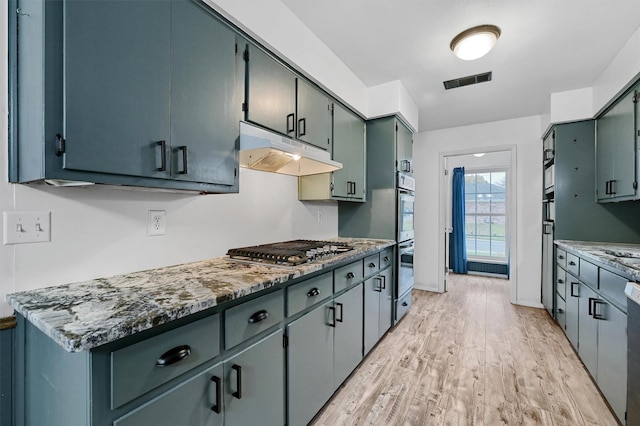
{"points": [[372, 290], [189, 404], [572, 310], [117, 86], [624, 152], [310, 363], [348, 334], [271, 93], [313, 116], [404, 148], [587, 330], [604, 155], [386, 302], [204, 108], [547, 268], [254, 384], [349, 149], [612, 356]]}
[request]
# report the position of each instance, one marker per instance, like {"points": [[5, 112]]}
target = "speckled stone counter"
{"points": [[84, 315], [623, 257]]}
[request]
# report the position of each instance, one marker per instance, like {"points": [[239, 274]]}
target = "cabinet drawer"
{"points": [[371, 264], [309, 292], [573, 264], [589, 273], [251, 318], [190, 401], [386, 258], [612, 287], [347, 275], [561, 313], [561, 257], [402, 305], [134, 369], [561, 282]]}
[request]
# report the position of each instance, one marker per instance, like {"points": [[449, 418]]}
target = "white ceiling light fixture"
{"points": [[475, 42], [479, 154]]}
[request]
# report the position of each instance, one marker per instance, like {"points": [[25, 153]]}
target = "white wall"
{"points": [[524, 133], [624, 68]]}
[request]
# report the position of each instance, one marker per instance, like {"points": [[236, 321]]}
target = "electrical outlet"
{"points": [[26, 227], [157, 222], [320, 215]]}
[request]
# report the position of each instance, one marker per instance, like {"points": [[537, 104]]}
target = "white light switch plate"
{"points": [[26, 227]]}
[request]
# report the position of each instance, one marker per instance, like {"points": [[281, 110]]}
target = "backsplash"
{"points": [[101, 231]]}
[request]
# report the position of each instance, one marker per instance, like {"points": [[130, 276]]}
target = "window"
{"points": [[486, 214]]}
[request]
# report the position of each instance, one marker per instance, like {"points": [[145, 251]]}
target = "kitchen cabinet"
{"points": [[310, 362], [254, 392], [616, 158], [192, 403], [348, 334], [279, 100], [225, 365], [404, 142], [349, 148], [324, 347], [595, 322], [131, 93], [377, 307]]}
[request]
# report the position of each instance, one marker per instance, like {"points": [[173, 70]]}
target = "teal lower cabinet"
{"points": [[241, 363], [254, 384], [572, 307], [595, 323], [348, 334], [377, 307], [612, 355], [310, 363], [325, 346], [196, 402]]}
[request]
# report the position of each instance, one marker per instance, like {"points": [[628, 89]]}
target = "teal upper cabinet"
{"points": [[132, 93], [404, 148], [205, 98], [279, 100], [117, 86], [616, 133], [349, 148], [313, 116], [270, 98]]}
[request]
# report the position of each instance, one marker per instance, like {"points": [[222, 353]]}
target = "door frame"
{"points": [[512, 194]]}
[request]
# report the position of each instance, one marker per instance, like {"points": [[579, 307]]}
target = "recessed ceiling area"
{"points": [[546, 46]]}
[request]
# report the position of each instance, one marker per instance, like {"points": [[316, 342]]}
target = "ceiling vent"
{"points": [[466, 81]]}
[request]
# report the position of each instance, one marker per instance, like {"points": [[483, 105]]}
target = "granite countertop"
{"points": [[623, 257], [84, 315]]}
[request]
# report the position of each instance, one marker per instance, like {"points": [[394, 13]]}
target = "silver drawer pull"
{"points": [[372, 265], [572, 263], [258, 317], [313, 292], [173, 355], [350, 275]]}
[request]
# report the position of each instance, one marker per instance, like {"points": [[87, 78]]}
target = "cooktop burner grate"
{"points": [[292, 253]]}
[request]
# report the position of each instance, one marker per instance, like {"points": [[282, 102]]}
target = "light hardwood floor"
{"points": [[470, 357]]}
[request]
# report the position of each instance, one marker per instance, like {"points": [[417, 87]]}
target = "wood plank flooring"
{"points": [[470, 357]]}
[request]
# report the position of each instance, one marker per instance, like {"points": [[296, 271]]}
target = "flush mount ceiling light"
{"points": [[475, 42]]}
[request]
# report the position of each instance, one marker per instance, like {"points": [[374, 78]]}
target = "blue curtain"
{"points": [[458, 246]]}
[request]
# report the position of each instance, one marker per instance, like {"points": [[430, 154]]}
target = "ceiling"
{"points": [[546, 46]]}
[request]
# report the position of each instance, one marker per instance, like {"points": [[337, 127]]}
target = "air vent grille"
{"points": [[466, 81]]}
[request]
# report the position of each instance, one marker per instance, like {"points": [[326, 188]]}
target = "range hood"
{"points": [[263, 150]]}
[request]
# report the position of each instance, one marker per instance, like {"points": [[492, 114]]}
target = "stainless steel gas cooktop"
{"points": [[289, 253]]}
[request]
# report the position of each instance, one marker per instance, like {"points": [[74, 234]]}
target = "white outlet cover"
{"points": [[157, 224], [26, 227]]}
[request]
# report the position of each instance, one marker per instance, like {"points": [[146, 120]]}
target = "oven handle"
{"points": [[406, 245]]}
